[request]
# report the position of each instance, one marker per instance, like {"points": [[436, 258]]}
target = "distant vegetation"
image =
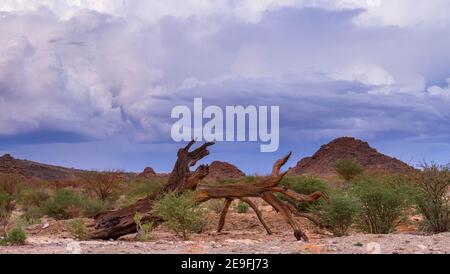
{"points": [[369, 203]]}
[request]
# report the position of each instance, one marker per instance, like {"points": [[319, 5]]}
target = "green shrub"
{"points": [[383, 202], [144, 230], [64, 204], [433, 201], [33, 197], [15, 236], [348, 169], [33, 201], [338, 214], [242, 207], [305, 185], [181, 214], [77, 228], [67, 204], [92, 207]]}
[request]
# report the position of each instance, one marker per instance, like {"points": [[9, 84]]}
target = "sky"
{"points": [[91, 83]]}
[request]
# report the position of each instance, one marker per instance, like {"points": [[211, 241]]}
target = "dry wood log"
{"points": [[265, 190], [114, 224], [118, 223]]}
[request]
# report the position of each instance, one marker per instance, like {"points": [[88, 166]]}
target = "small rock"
{"points": [[45, 225]]}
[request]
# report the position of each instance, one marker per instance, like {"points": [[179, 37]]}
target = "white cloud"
{"points": [[440, 91], [368, 74]]}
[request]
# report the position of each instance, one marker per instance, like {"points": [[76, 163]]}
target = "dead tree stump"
{"points": [[114, 224]]}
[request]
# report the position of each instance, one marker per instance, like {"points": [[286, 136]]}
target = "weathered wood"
{"points": [[277, 204], [114, 224], [223, 214], [119, 223]]}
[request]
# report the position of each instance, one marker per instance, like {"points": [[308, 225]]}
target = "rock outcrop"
{"points": [[148, 173], [323, 161], [223, 171]]}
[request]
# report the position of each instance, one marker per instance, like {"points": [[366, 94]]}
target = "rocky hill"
{"points": [[223, 170], [148, 173], [34, 170], [323, 161]]}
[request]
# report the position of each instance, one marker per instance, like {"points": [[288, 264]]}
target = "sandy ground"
{"points": [[242, 234]]}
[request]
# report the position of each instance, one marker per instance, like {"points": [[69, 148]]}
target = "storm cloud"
{"points": [[78, 72]]}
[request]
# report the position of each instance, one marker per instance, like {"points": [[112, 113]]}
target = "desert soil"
{"points": [[242, 235]]}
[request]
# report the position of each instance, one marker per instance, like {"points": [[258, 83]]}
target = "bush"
{"points": [[433, 202], [382, 201], [348, 169], [64, 204], [33, 201], [15, 236], [144, 230], [93, 207], [338, 214], [103, 185], [67, 204], [6, 208], [181, 214], [242, 207], [9, 189], [77, 228], [305, 185]]}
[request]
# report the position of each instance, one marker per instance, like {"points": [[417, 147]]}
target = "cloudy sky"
{"points": [[91, 83]]}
